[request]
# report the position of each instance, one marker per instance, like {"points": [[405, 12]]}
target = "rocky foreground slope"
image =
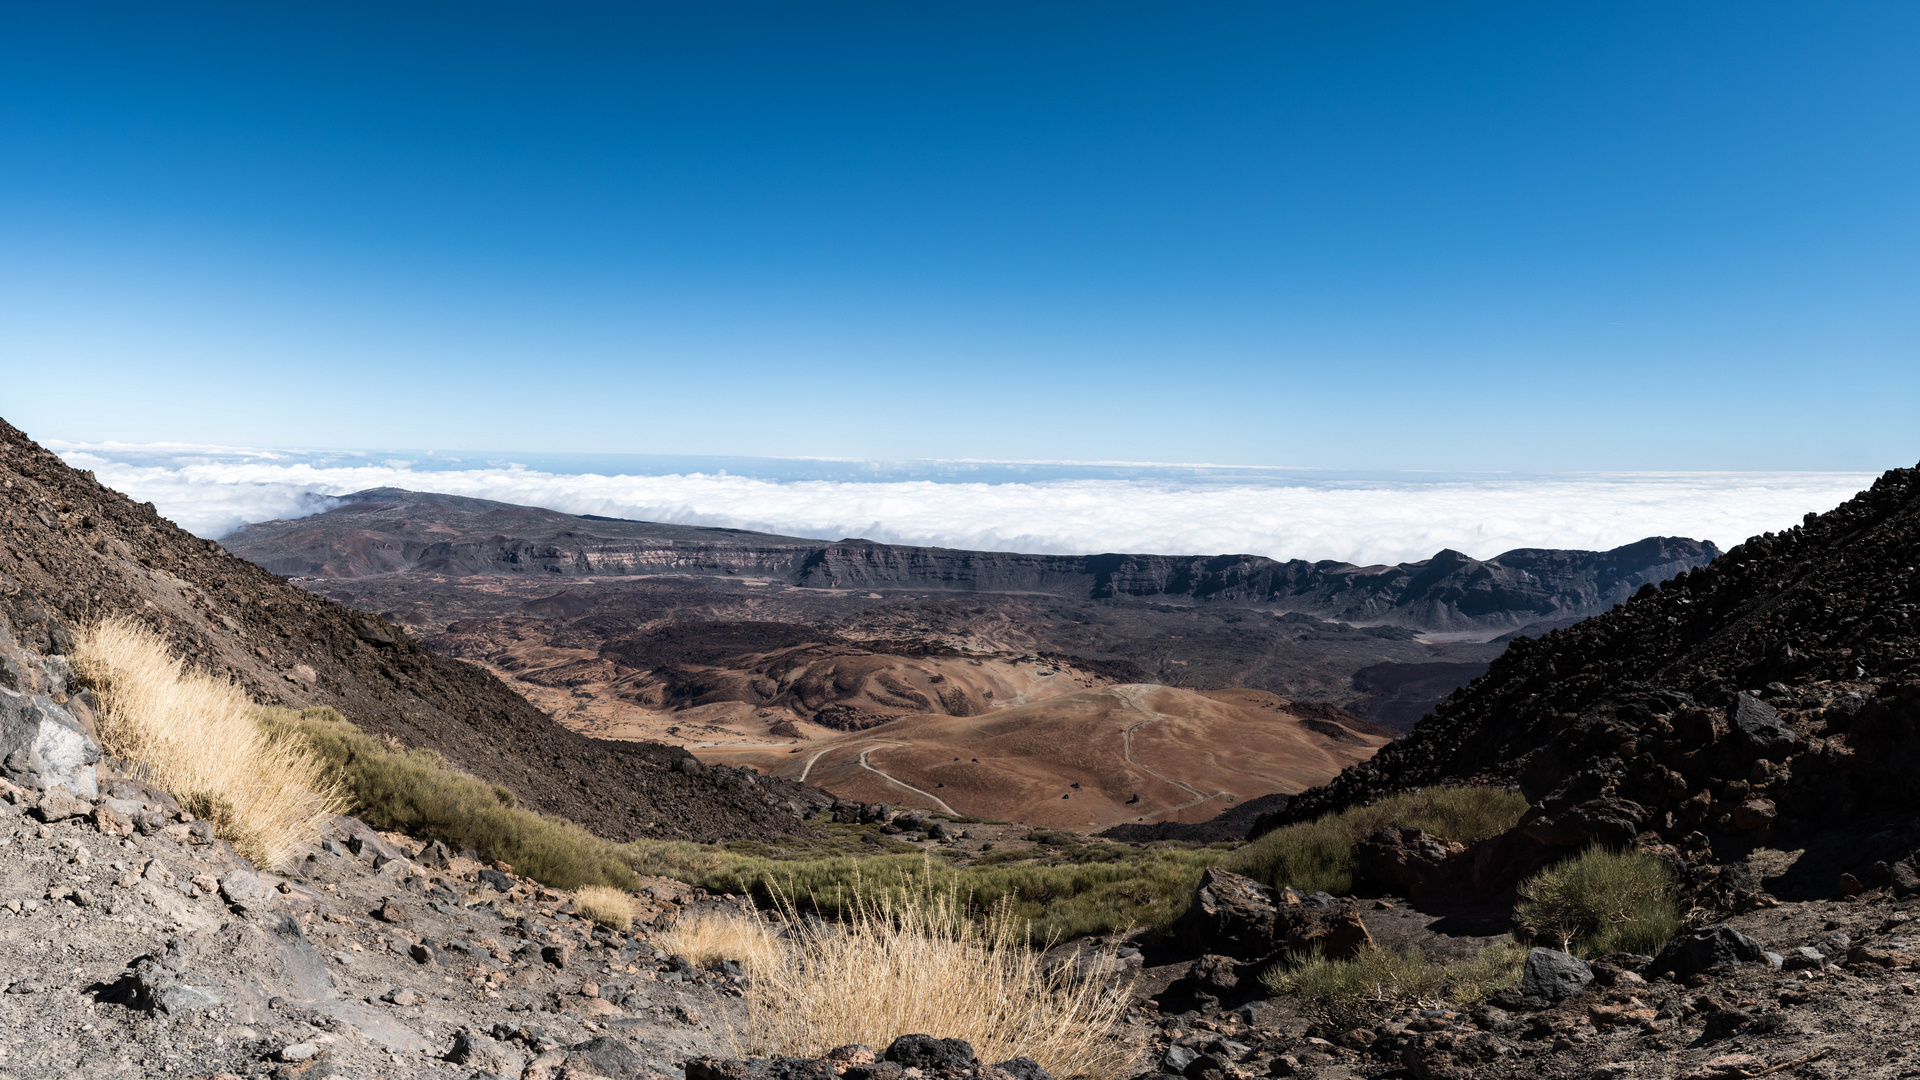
{"points": [[73, 551], [133, 943], [389, 530]]}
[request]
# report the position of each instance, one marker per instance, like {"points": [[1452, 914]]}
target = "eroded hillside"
{"points": [[73, 551]]}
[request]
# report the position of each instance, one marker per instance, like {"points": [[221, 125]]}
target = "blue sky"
{"points": [[1485, 236]]}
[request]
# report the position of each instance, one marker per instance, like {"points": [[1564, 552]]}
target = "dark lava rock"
{"points": [[927, 1052], [1708, 947], [1759, 729], [716, 1069], [1231, 915], [1024, 1068], [1551, 977], [793, 1068]]}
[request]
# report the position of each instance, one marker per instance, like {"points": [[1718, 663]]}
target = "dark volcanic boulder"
{"points": [[1551, 977], [1708, 947], [928, 1053], [1410, 862], [1024, 1068], [1231, 915], [1758, 728]]}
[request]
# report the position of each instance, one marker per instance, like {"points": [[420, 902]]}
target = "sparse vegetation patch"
{"points": [[605, 905], [1318, 855], [1383, 975], [415, 792]]}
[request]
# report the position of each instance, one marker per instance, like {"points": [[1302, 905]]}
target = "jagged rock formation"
{"points": [[1773, 693], [73, 551], [388, 530]]}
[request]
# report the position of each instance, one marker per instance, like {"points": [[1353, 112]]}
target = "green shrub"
{"points": [[1383, 975], [415, 792], [1601, 902], [1318, 855], [1371, 974]]}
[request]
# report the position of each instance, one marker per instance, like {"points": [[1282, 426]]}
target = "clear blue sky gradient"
{"points": [[1530, 236]]}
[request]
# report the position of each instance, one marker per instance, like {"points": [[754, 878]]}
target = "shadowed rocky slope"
{"points": [[73, 551], [1771, 695]]}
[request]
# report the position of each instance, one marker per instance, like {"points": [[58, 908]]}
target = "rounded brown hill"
{"points": [[1126, 753]]}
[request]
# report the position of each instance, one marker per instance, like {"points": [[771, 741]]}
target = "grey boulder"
{"points": [[481, 1052], [246, 891], [43, 747]]}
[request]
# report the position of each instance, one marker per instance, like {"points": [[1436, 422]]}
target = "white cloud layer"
{"points": [[211, 491]]}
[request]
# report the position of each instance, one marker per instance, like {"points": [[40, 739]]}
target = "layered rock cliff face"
{"points": [[73, 551], [385, 530]]}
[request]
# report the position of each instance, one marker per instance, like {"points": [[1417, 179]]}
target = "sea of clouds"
{"points": [[1059, 509]]}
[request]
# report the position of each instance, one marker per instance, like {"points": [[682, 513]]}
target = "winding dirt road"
{"points": [[1133, 696]]}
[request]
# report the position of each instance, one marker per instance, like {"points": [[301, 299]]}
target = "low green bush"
{"points": [[1318, 855], [415, 792], [1383, 975], [1371, 974], [1601, 902]]}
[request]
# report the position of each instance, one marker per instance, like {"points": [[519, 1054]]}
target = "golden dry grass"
{"points": [[893, 967], [708, 938], [605, 905], [198, 738]]}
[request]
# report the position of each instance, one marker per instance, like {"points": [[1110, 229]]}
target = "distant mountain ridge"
{"points": [[390, 530]]}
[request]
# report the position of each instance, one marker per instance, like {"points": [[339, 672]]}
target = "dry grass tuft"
{"points": [[605, 905], [895, 967], [708, 938], [197, 737]]}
